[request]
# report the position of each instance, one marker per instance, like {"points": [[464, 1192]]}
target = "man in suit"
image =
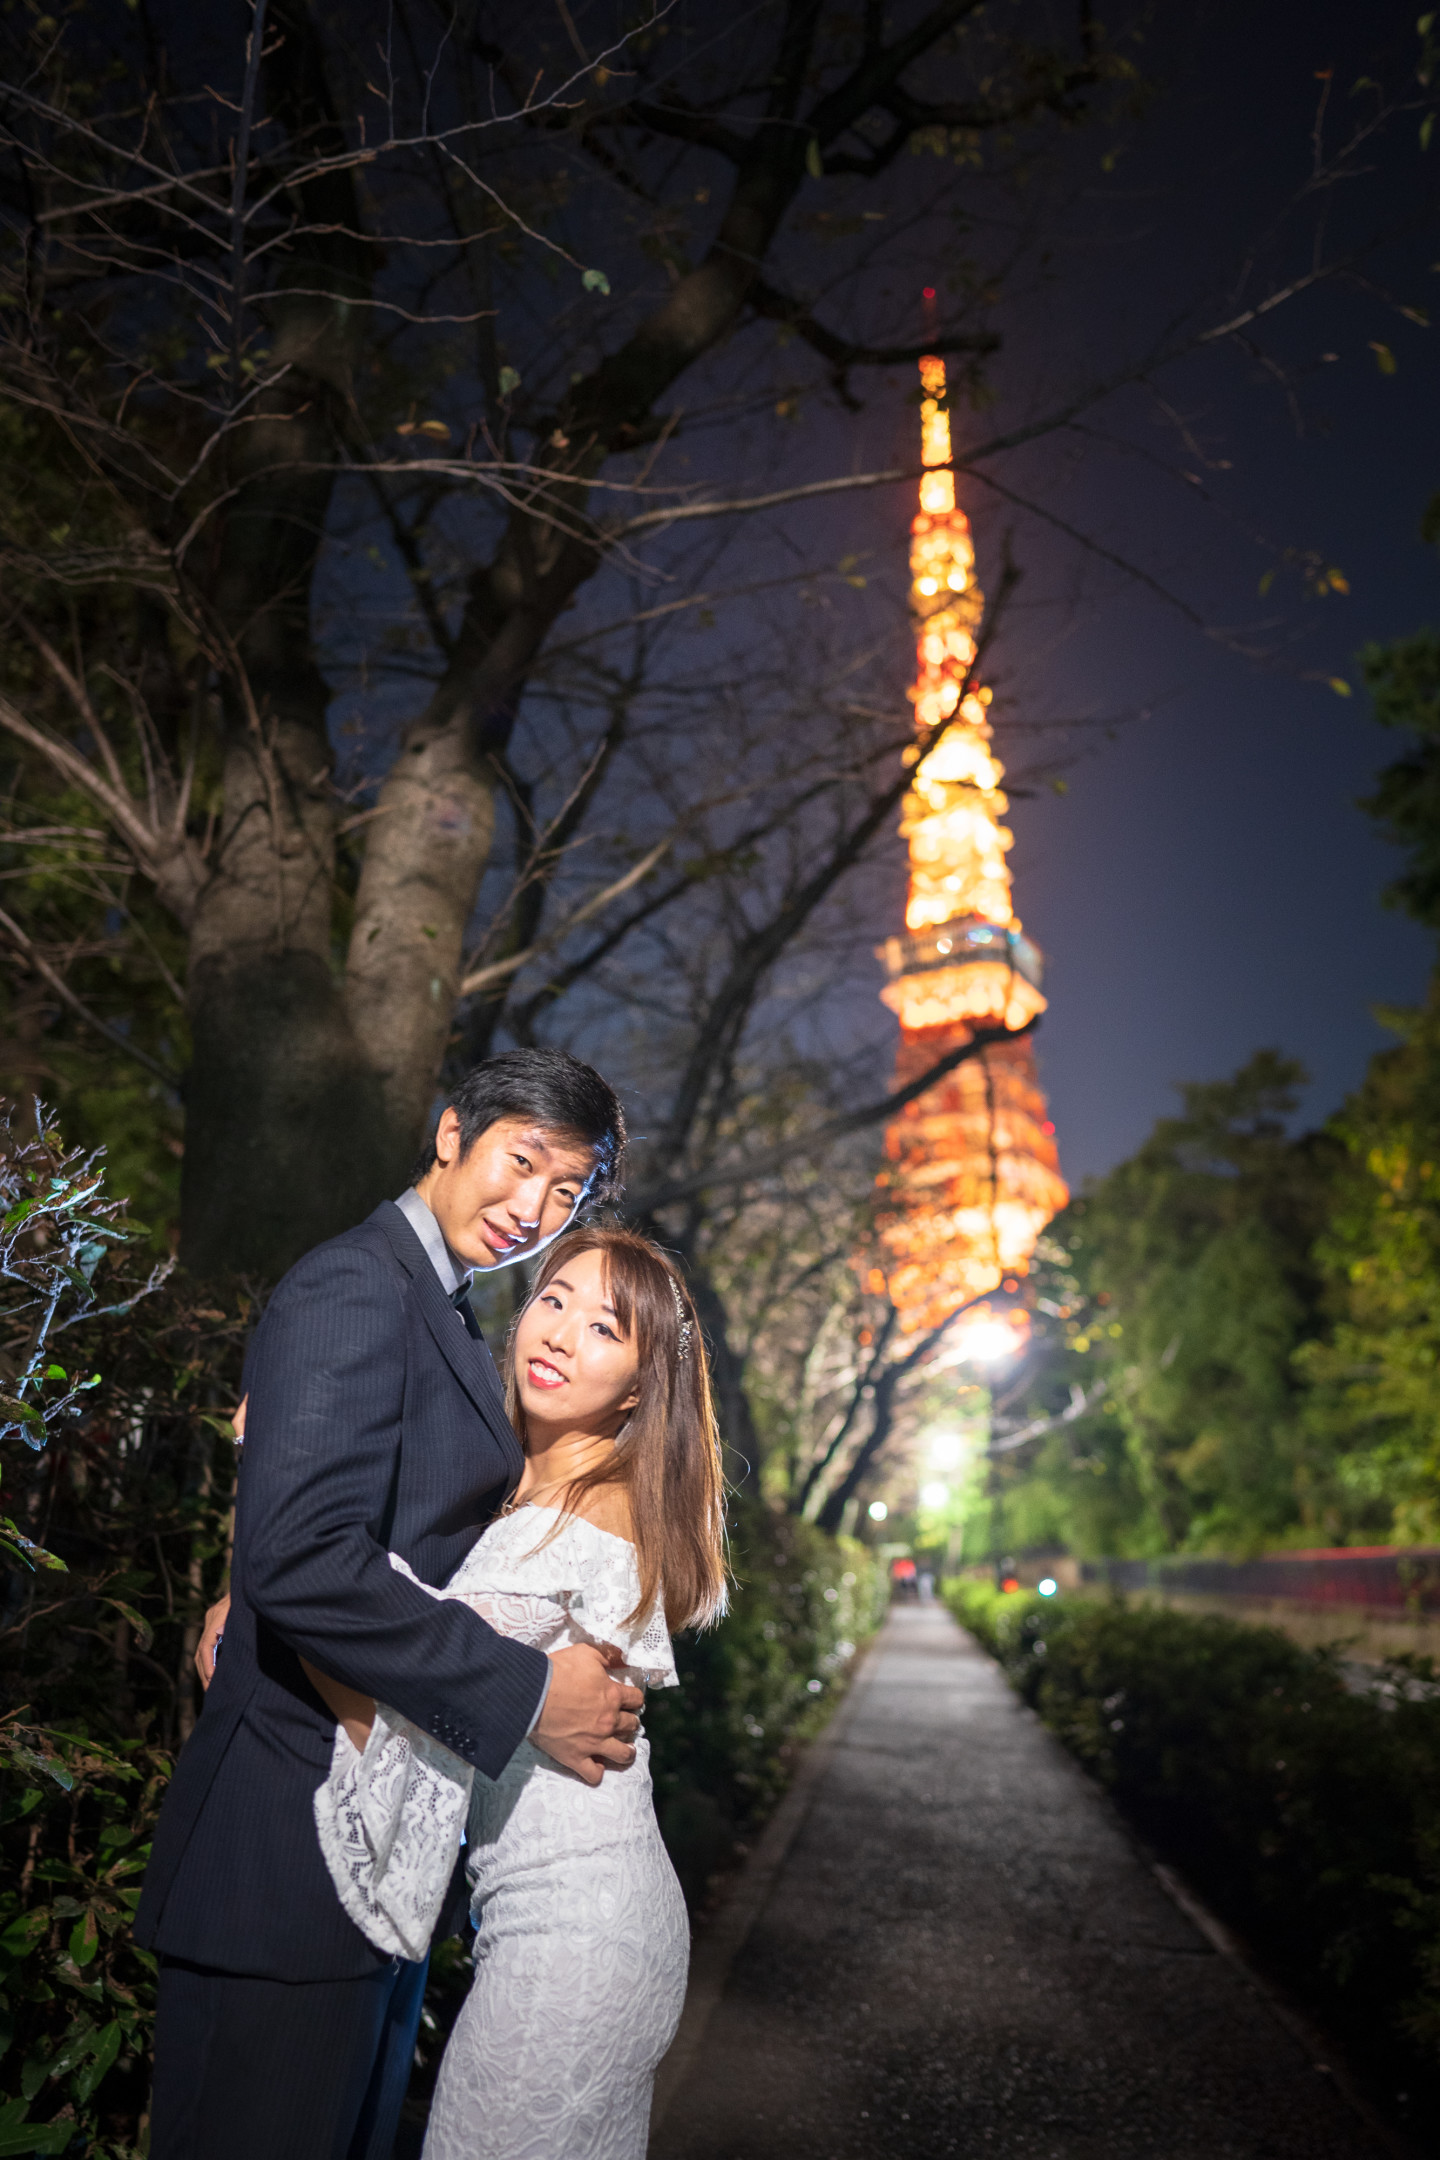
{"points": [[376, 1423]]}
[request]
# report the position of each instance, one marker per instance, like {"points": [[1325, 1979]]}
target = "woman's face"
{"points": [[574, 1364]]}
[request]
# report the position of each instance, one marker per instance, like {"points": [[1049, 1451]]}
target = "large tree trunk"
{"points": [[429, 843], [284, 1131]]}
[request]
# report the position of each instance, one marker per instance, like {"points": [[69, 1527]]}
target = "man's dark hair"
{"points": [[550, 1088]]}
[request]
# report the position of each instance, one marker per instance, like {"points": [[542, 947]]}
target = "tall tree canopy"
{"points": [[1376, 1377], [1180, 1287]]}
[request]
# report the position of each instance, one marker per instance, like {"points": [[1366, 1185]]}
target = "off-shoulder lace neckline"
{"points": [[533, 1507]]}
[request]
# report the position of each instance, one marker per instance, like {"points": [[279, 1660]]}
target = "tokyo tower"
{"points": [[971, 1173]]}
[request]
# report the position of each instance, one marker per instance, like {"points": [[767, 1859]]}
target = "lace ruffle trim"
{"points": [[390, 1824]]}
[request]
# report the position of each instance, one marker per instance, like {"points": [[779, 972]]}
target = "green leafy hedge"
{"points": [[115, 1476], [1304, 1808], [723, 1742], [77, 1996]]}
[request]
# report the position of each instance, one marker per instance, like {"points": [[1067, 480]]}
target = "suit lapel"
{"points": [[468, 1359]]}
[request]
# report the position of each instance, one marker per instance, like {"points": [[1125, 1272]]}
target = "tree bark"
{"points": [[744, 1448], [283, 1124], [868, 1454]]}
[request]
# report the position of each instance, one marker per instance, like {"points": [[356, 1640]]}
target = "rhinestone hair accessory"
{"points": [[682, 1350]]}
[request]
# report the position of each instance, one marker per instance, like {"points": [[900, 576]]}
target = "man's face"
{"points": [[514, 1191]]}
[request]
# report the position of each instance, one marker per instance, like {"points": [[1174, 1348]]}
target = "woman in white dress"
{"points": [[614, 1536]]}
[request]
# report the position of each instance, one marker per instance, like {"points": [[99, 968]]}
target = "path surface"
{"points": [[962, 1953]]}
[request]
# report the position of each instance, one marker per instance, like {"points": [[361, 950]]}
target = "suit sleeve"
{"points": [[326, 1378]]}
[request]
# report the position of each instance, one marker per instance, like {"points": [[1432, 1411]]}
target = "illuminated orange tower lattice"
{"points": [[971, 1175]]}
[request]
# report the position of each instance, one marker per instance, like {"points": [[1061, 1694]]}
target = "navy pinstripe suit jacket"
{"points": [[375, 1423]]}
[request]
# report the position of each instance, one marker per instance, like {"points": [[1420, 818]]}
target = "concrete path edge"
{"points": [[723, 1936]]}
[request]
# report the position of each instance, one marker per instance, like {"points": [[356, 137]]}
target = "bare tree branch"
{"points": [[721, 1177], [173, 864], [500, 971], [26, 946], [844, 353], [1081, 1401]]}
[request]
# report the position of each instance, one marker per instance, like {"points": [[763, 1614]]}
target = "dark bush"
{"points": [[1302, 1801], [723, 1743], [117, 1466]]}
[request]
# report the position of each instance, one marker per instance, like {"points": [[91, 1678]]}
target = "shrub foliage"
{"points": [[117, 1464], [751, 1690]]}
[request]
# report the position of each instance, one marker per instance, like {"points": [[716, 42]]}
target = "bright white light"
{"points": [[934, 1496], [947, 1451], [1047, 1586], [877, 1511], [986, 1342]]}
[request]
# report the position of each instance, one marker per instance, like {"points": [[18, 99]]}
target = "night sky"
{"points": [[1207, 885]]}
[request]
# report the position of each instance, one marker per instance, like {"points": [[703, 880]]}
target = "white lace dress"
{"points": [[582, 1944]]}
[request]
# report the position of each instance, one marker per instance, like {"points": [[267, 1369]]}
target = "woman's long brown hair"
{"points": [[667, 1455]]}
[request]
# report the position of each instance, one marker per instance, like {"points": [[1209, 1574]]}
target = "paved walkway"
{"points": [[962, 1953]]}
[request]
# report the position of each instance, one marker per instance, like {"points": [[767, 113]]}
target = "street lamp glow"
{"points": [[947, 1451], [1047, 1586], [877, 1511], [986, 1342], [934, 1495]]}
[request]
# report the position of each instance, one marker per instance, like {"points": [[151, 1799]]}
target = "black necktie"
{"points": [[460, 1299]]}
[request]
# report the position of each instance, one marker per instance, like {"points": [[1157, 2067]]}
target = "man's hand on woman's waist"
{"points": [[589, 1720]]}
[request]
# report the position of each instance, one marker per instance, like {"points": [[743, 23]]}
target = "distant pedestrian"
{"points": [[903, 1580], [927, 1586]]}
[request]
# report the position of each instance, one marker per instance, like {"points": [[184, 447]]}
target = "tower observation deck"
{"points": [[971, 1174]]}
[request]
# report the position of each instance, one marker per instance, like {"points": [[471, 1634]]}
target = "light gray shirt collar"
{"points": [[452, 1272]]}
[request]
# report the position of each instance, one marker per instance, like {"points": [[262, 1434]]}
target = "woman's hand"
{"points": [[219, 1612], [354, 1711], [349, 1708], [209, 1642]]}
